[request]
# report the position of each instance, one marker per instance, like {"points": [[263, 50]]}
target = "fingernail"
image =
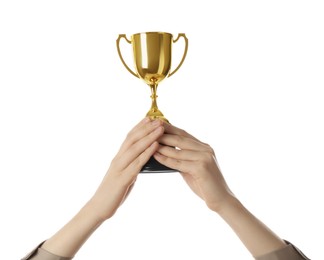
{"points": [[156, 122], [147, 119], [157, 129]]}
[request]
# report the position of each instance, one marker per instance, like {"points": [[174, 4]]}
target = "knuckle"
{"points": [[210, 149], [176, 164], [176, 151], [210, 157], [129, 137], [129, 134], [184, 132], [207, 160]]}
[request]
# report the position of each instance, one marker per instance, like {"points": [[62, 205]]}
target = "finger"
{"points": [[182, 142], [140, 146], [144, 121], [179, 165], [137, 164], [171, 129], [184, 155], [144, 128]]}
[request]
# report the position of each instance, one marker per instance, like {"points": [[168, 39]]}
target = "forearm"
{"points": [[256, 236], [67, 241]]}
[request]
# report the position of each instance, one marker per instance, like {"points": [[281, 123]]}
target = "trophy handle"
{"points": [[120, 55], [185, 51]]}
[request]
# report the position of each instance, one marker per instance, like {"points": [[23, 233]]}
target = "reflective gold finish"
{"points": [[152, 53]]}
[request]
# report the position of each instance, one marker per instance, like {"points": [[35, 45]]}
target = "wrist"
{"points": [[70, 238], [228, 206], [92, 211]]}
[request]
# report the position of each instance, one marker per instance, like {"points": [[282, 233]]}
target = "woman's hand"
{"points": [[139, 145], [197, 164]]}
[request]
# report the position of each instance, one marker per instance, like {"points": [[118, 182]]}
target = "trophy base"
{"points": [[153, 166], [155, 113]]}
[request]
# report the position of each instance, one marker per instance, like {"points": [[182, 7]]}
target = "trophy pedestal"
{"points": [[153, 166]]}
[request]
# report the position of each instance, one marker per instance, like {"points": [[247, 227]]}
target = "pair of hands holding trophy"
{"points": [[154, 145], [169, 148]]}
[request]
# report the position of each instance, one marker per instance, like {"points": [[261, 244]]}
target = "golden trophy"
{"points": [[152, 53]]}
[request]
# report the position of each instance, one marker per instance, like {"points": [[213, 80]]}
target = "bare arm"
{"points": [[197, 163], [256, 236], [138, 147]]}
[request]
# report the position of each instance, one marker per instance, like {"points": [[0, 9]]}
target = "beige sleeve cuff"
{"points": [[41, 254], [289, 252]]}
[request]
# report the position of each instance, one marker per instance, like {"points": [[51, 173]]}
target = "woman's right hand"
{"points": [[139, 145]]}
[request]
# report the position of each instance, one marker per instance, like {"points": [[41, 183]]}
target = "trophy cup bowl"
{"points": [[152, 53]]}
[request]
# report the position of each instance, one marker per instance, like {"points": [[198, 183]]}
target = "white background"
{"points": [[251, 86]]}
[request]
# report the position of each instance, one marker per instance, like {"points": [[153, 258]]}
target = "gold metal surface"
{"points": [[152, 53]]}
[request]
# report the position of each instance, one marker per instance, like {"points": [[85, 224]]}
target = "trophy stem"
{"points": [[154, 112], [153, 166], [154, 106]]}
